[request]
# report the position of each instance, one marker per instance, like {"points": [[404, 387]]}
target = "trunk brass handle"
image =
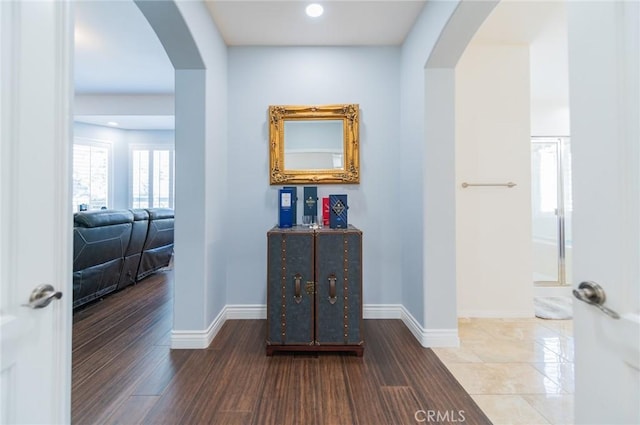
{"points": [[310, 287], [297, 288], [332, 289]]}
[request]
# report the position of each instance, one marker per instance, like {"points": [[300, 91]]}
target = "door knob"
{"points": [[42, 296], [592, 293]]}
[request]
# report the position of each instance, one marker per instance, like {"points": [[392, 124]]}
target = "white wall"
{"points": [[549, 118], [549, 63], [199, 57], [121, 141], [493, 145], [201, 173], [263, 76], [110, 104], [429, 56], [409, 249], [416, 280]]}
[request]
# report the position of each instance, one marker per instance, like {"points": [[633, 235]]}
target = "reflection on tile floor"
{"points": [[519, 371]]}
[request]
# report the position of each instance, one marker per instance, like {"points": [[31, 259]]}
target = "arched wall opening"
{"points": [[198, 55], [439, 224], [463, 145]]}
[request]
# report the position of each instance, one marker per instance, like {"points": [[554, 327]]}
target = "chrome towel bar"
{"points": [[509, 184]]}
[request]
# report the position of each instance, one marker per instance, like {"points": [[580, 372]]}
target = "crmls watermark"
{"points": [[438, 416]]}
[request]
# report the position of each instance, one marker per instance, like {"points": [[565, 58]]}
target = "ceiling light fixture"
{"points": [[314, 10], [113, 124]]}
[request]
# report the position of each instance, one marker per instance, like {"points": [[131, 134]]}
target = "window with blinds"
{"points": [[91, 172], [152, 177]]}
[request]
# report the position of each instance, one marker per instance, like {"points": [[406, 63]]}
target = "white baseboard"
{"points": [[430, 338], [259, 311], [198, 339], [426, 337], [382, 311], [245, 311]]}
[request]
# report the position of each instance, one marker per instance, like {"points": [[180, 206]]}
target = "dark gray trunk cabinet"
{"points": [[314, 290]]}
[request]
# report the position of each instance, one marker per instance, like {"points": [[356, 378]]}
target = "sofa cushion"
{"points": [[97, 245], [140, 214], [101, 218], [160, 213], [94, 282]]}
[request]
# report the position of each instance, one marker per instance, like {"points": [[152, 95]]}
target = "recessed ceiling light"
{"points": [[314, 10], [113, 124]]}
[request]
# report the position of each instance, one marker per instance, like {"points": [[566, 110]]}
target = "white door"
{"points": [[35, 210], [604, 49]]}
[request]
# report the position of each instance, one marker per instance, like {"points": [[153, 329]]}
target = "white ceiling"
{"points": [[284, 23], [117, 51]]}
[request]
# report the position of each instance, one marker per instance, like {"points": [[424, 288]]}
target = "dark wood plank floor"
{"points": [[125, 373]]}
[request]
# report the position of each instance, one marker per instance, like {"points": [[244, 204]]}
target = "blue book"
{"points": [[285, 208], [338, 211], [295, 202]]}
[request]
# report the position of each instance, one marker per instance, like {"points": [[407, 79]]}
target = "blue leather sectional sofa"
{"points": [[113, 249]]}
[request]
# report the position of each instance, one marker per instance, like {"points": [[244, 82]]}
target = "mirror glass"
{"points": [[314, 144]]}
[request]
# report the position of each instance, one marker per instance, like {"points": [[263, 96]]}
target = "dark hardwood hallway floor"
{"points": [[125, 373]]}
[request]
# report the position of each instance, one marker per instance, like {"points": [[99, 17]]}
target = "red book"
{"points": [[325, 211]]}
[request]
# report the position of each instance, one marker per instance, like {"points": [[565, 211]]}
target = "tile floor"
{"points": [[519, 371]]}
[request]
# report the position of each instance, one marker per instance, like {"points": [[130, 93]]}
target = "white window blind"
{"points": [[140, 174], [91, 175], [152, 177]]}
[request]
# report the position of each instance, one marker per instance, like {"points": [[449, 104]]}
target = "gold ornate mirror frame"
{"points": [[349, 172]]}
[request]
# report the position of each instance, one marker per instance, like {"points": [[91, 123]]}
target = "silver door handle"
{"points": [[592, 293], [42, 296]]}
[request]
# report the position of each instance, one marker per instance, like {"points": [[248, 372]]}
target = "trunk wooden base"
{"points": [[357, 349]]}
